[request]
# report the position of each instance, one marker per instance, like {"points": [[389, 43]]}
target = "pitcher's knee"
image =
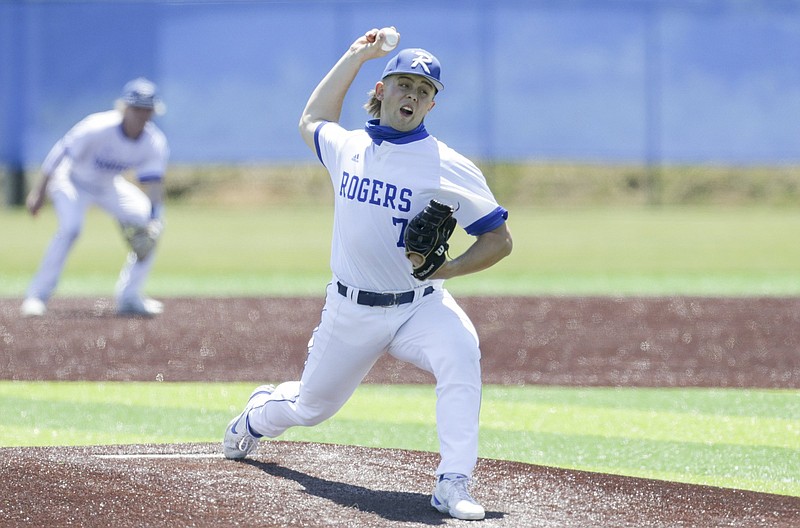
{"points": [[455, 369]]}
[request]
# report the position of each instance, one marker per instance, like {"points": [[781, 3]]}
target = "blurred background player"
{"points": [[86, 167], [382, 177]]}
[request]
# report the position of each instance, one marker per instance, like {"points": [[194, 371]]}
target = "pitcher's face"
{"points": [[405, 100]]}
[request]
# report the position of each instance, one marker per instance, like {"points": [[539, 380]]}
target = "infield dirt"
{"points": [[659, 342]]}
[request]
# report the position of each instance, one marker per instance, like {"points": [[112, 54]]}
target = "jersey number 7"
{"points": [[403, 223]]}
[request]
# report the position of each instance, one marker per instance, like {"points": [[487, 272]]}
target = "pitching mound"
{"points": [[596, 341], [296, 484]]}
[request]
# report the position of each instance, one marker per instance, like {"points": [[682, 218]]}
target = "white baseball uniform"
{"points": [[379, 186], [87, 167]]}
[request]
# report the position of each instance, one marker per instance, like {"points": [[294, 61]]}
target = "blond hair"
{"points": [[373, 104]]}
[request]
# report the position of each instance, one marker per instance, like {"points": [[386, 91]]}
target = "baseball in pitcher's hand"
{"points": [[370, 45]]}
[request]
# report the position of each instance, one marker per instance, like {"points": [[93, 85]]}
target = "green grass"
{"points": [[281, 250], [747, 439]]}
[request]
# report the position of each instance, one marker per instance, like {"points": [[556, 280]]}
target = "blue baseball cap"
{"points": [[416, 61], [142, 93]]}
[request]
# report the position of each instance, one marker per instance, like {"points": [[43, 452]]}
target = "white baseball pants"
{"points": [[432, 333], [121, 199]]}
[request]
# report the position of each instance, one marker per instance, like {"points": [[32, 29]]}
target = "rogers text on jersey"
{"points": [[375, 192]]}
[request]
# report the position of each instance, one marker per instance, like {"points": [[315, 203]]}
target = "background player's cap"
{"points": [[142, 93], [416, 61]]}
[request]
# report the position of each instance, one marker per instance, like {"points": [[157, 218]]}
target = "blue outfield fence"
{"points": [[644, 81]]}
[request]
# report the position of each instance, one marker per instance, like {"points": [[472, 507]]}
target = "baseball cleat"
{"points": [[140, 306], [239, 439], [33, 307], [450, 495]]}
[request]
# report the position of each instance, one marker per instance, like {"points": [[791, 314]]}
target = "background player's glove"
{"points": [[142, 239], [426, 238]]}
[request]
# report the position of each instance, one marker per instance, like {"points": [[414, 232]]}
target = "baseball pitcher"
{"points": [[399, 193]]}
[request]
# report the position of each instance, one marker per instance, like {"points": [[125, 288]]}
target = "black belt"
{"points": [[368, 298]]}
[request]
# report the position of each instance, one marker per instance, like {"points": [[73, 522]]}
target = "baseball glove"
{"points": [[426, 238], [142, 239]]}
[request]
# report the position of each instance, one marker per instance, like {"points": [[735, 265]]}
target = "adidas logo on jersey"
{"points": [[355, 158]]}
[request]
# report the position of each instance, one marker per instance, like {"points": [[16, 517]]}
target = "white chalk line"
{"points": [[161, 455]]}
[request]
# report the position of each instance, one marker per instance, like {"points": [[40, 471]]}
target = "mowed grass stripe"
{"points": [[282, 250]]}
